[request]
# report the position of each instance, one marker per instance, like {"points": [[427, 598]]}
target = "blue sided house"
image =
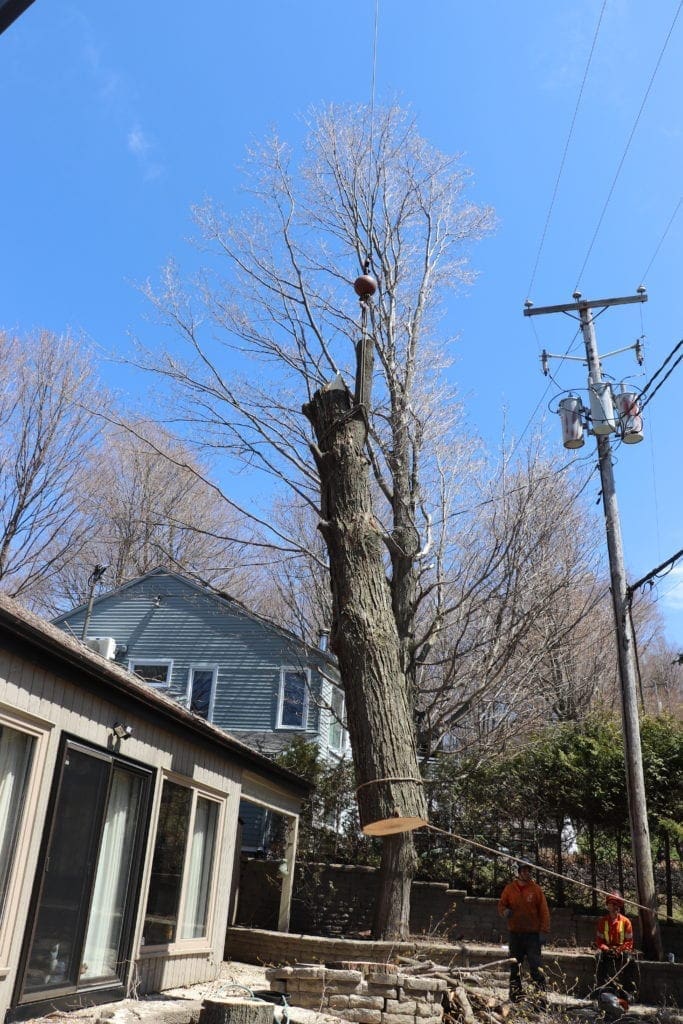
{"points": [[228, 665]]}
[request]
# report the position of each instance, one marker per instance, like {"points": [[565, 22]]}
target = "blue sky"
{"points": [[118, 116]]}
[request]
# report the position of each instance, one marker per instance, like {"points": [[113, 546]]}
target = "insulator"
{"points": [[571, 417], [630, 418]]}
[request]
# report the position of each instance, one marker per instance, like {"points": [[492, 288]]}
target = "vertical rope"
{"points": [[373, 79]]}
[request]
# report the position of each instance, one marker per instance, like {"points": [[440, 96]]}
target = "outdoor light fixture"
{"points": [[122, 732], [283, 867]]}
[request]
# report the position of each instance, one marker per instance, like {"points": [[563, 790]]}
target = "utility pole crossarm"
{"points": [[579, 304]]}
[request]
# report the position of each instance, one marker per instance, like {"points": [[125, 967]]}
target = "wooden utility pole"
{"points": [[635, 781]]}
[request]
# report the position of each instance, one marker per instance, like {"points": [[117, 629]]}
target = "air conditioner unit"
{"points": [[104, 645]]}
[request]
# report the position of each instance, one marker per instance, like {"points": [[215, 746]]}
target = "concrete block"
{"points": [[424, 984], [398, 1018], [278, 986], [333, 977], [277, 973], [367, 1002], [308, 972], [389, 992], [401, 1006], [338, 1002], [361, 1016], [383, 978]]}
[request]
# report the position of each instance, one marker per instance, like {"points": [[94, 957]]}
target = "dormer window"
{"points": [[293, 699], [156, 671]]}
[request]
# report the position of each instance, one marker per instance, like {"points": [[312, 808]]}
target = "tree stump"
{"points": [[236, 1010]]}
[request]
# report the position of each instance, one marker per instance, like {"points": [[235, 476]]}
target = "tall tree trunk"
{"points": [[593, 868], [365, 639]]}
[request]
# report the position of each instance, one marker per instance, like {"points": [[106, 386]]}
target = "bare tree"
{"points": [[148, 502], [369, 189], [48, 438]]}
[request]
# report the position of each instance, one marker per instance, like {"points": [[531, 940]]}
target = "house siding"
{"points": [[163, 616], [55, 691]]}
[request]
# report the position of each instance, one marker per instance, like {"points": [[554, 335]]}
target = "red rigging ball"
{"points": [[365, 286]]}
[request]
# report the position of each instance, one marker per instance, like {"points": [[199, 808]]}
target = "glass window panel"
{"points": [[156, 674], [16, 751], [54, 959], [105, 924], [161, 918], [336, 729], [293, 699], [199, 872], [200, 691]]}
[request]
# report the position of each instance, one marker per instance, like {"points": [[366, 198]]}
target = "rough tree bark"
{"points": [[365, 639]]}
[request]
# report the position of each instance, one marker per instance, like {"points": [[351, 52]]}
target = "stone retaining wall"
{"points": [[571, 972], [338, 900], [361, 992]]}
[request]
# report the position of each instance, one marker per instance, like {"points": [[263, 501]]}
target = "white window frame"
{"points": [[203, 942], [202, 666], [306, 673], [168, 662], [39, 730], [334, 719]]}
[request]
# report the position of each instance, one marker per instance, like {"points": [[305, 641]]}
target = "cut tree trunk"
{"points": [[236, 1011], [365, 639]]}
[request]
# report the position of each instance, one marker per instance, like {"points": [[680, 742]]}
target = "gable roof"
{"points": [[33, 635], [220, 597]]}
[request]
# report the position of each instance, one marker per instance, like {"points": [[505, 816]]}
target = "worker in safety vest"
{"points": [[614, 939], [523, 904]]}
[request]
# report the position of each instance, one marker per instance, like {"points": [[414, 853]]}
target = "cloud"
{"points": [[117, 97], [137, 141]]}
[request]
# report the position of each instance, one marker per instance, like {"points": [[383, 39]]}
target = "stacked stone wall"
{"points": [[363, 993]]}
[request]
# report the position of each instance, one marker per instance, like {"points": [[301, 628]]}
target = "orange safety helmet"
{"points": [[615, 897]]}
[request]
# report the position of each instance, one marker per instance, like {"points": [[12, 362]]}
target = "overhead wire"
{"points": [[643, 276], [628, 145], [566, 149], [646, 394]]}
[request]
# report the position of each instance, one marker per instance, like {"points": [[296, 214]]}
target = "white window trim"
{"points": [[153, 661], [23, 855], [298, 670], [204, 942], [202, 666]]}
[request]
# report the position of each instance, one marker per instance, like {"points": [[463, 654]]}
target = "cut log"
{"points": [[236, 1010], [460, 998]]}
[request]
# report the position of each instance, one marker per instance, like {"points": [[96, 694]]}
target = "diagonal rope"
{"points": [[536, 867]]}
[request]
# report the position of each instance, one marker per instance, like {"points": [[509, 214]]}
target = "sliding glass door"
{"points": [[89, 876]]}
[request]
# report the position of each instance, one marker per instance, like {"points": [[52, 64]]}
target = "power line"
{"points": [[566, 148], [628, 144], [645, 397], [661, 241]]}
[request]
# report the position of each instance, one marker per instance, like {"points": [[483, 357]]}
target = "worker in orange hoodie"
{"points": [[523, 904], [614, 939]]}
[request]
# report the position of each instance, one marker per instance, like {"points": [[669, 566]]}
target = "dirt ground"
{"points": [[182, 1006]]}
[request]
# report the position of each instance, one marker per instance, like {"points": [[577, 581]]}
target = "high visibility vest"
{"points": [[621, 928]]}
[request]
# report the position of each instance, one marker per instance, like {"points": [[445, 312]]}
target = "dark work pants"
{"points": [[615, 973], [525, 945]]}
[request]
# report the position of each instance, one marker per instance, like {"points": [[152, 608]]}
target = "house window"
{"points": [[293, 699], [182, 868], [200, 689], [336, 733], [16, 752], [155, 672]]}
